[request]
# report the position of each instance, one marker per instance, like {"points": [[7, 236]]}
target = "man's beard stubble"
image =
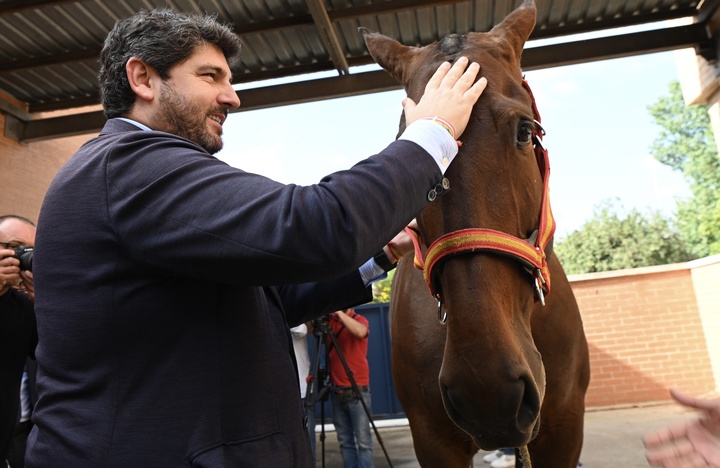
{"points": [[181, 117]]}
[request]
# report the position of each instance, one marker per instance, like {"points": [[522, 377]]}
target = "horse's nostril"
{"points": [[530, 404]]}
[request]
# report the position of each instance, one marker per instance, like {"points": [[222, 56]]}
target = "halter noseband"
{"points": [[530, 252]]}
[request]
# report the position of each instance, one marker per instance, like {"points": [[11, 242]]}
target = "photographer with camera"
{"points": [[351, 421], [18, 337]]}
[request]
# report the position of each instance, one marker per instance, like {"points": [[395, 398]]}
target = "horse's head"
{"points": [[492, 378]]}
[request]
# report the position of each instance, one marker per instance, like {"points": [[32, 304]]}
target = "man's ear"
{"points": [[141, 78]]}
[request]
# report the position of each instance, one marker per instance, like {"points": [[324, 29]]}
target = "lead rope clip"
{"points": [[442, 314], [539, 283]]}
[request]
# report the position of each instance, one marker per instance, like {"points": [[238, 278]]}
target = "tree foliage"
{"points": [[381, 289], [611, 241], [687, 145]]}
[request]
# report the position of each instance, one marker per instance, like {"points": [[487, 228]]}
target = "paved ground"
{"points": [[612, 439]]}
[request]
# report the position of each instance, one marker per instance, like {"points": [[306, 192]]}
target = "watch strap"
{"points": [[383, 261]]}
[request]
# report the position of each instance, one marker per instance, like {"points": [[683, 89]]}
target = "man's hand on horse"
{"points": [[402, 244], [449, 96]]}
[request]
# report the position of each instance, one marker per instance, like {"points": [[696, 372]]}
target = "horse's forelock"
{"points": [[452, 44]]}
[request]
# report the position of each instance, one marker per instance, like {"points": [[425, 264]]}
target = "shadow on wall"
{"points": [[614, 382]]}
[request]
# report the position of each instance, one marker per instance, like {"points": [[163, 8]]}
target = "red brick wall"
{"points": [[645, 333], [26, 171]]}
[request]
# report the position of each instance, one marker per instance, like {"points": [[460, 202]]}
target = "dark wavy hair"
{"points": [[162, 39]]}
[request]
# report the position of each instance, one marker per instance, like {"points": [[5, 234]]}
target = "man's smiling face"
{"points": [[195, 100]]}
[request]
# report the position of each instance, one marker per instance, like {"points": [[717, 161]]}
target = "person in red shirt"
{"points": [[350, 418]]}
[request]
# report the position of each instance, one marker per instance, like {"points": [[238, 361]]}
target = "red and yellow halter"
{"points": [[530, 252]]}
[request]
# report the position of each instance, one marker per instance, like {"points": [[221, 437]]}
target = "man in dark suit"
{"points": [[178, 351], [18, 338]]}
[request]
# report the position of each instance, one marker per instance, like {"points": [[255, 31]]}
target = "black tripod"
{"points": [[321, 375]]}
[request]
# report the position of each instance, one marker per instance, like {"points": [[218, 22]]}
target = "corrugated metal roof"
{"points": [[48, 49]]}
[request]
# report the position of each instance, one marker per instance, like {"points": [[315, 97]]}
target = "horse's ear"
{"points": [[517, 26], [394, 57]]}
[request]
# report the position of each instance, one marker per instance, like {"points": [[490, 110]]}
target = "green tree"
{"points": [[382, 288], [686, 144], [610, 241]]}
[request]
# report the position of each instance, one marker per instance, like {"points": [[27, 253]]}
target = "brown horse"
{"points": [[504, 370]]}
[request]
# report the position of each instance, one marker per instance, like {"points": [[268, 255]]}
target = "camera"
{"points": [[321, 325], [24, 254]]}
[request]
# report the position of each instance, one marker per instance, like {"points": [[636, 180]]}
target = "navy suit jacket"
{"points": [[18, 337], [163, 336]]}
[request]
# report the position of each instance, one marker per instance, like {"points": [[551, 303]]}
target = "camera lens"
{"points": [[24, 254]]}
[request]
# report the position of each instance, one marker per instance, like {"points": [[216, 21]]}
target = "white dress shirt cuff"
{"points": [[371, 272], [434, 139]]}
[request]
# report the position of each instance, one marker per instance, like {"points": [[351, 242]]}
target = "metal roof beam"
{"points": [[13, 6], [54, 59], [706, 10], [328, 35], [611, 47], [252, 99]]}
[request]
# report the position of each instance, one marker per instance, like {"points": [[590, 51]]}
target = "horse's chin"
{"points": [[504, 433], [496, 443]]}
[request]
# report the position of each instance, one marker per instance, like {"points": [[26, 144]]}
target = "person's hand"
{"points": [[692, 443], [9, 270], [401, 245], [450, 95], [28, 284], [356, 328]]}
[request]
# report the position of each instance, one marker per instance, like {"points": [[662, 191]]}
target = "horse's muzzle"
{"points": [[510, 418]]}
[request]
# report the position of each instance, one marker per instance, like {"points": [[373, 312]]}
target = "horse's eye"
{"points": [[525, 131]]}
